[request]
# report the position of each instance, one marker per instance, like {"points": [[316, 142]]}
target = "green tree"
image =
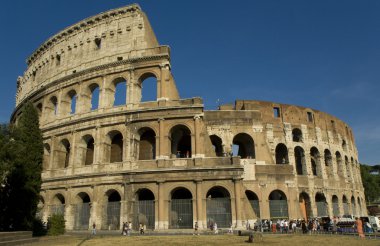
{"points": [[25, 153], [371, 183]]}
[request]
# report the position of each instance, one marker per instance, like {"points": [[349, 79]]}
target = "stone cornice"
{"points": [[79, 26]]}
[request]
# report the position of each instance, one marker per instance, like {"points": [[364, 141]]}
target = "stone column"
{"points": [[69, 216], [161, 206], [199, 195], [162, 147], [237, 186], [199, 151]]}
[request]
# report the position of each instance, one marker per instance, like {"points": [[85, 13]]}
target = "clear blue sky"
{"points": [[321, 54]]}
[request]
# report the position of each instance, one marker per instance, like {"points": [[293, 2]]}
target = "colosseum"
{"points": [[168, 162]]}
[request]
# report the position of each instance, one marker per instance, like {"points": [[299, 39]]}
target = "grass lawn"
{"points": [[219, 240]]}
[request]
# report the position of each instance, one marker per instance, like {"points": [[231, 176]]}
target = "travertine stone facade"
{"points": [[168, 163]]}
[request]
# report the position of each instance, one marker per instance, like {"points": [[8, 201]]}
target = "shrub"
{"points": [[56, 225], [38, 228]]}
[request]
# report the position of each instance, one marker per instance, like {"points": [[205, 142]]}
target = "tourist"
{"points": [[215, 228], [94, 229], [359, 227], [141, 228], [196, 228]]}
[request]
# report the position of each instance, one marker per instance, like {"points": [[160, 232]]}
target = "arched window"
{"points": [[244, 146], [180, 137], [113, 210], [281, 154], [299, 155], [58, 205], [328, 163], [46, 158], [63, 154], [217, 145], [82, 211], [147, 144], [278, 205], [353, 206], [144, 211], [218, 207], [347, 164], [345, 206], [335, 203], [315, 161], [94, 89], [89, 156], [305, 206], [321, 203], [181, 209], [52, 108], [339, 163], [148, 87], [73, 101], [116, 153], [297, 135], [120, 96], [254, 202]]}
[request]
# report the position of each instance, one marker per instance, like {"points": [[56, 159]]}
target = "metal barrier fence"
{"points": [[143, 212], [82, 216], [219, 211], [113, 215], [278, 208], [57, 209], [321, 209], [181, 213]]}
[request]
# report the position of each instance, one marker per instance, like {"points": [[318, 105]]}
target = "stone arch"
{"points": [[347, 165], [63, 153], [278, 205], [281, 154], [144, 209], [297, 135], [353, 206], [147, 144], [115, 147], [46, 158], [328, 163], [68, 103], [51, 107], [57, 205], [339, 163], [113, 205], [93, 91], [359, 207], [149, 81], [245, 145], [81, 209], [315, 162], [181, 208], [119, 88], [346, 210], [218, 207], [335, 205], [321, 203], [88, 149], [253, 200], [305, 206], [344, 144], [217, 144], [39, 108], [299, 155], [180, 138]]}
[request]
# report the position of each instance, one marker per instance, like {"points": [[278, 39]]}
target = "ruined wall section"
{"points": [[114, 35]]}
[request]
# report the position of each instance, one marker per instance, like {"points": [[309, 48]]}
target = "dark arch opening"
{"points": [[305, 205], [278, 204], [114, 196], [254, 202], [181, 141], [277, 195], [145, 194], [328, 158], [314, 155], [245, 146], [218, 192], [181, 193], [147, 144], [73, 101], [66, 152], [85, 198], [181, 208], [144, 209], [297, 135], [321, 203], [89, 140], [54, 103], [116, 147], [217, 144], [148, 83], [299, 155], [281, 154], [218, 207]]}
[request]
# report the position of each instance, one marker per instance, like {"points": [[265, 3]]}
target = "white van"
{"points": [[375, 222]]}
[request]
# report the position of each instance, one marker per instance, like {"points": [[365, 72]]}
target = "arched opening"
{"points": [[353, 206], [217, 145], [359, 207], [147, 144], [52, 108], [315, 162], [39, 109], [94, 89], [82, 211], [116, 151], [218, 207], [346, 209], [113, 210], [320, 201], [305, 206], [63, 154], [339, 163], [328, 163], [46, 158], [255, 206], [72, 95], [344, 145], [120, 95], [335, 203], [144, 209], [244, 146], [148, 85], [281, 154], [181, 209], [278, 205], [58, 205], [347, 165], [180, 137], [297, 135], [89, 154], [299, 155]]}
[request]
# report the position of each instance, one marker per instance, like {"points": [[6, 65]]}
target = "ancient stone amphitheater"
{"points": [[168, 163]]}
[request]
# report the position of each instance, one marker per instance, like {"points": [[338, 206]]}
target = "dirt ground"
{"points": [[219, 240]]}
